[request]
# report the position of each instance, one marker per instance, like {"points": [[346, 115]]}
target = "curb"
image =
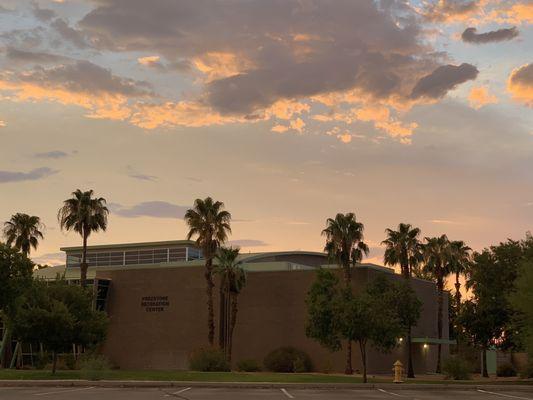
{"points": [[261, 385]]}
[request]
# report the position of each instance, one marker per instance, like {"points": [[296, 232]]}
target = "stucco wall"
{"points": [[272, 313]]}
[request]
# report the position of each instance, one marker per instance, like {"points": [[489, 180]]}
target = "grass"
{"points": [[191, 376]]}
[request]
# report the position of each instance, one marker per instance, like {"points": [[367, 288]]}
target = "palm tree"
{"points": [[436, 255], [458, 264], [210, 223], [403, 247], [83, 214], [233, 279], [344, 244], [23, 232]]}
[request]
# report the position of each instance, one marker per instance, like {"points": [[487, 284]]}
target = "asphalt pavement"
{"points": [[200, 393]]}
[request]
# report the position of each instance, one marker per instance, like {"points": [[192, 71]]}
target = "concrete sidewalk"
{"points": [[266, 385]]}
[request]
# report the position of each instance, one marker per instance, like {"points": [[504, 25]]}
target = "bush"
{"points": [[42, 360], [527, 371], [248, 366], [70, 361], [208, 360], [287, 359], [456, 368], [93, 367], [506, 370]]}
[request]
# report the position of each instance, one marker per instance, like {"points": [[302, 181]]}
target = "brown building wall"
{"points": [[272, 313]]}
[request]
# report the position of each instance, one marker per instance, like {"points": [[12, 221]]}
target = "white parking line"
{"points": [[391, 393], [290, 396], [182, 390], [63, 391], [504, 395]]}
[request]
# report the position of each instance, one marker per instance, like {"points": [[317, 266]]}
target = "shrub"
{"points": [[42, 360], [208, 360], [527, 371], [248, 366], [506, 370], [94, 366], [287, 359], [70, 361], [456, 368]]}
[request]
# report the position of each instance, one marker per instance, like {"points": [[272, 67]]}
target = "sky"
{"points": [[288, 111]]}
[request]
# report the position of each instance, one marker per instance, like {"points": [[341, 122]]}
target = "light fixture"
{"points": [[400, 340], [426, 345]]}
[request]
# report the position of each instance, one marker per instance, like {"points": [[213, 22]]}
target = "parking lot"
{"points": [[199, 393]]}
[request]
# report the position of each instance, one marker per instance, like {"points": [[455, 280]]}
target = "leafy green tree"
{"points": [[23, 232], [345, 246], [403, 248], [522, 301], [232, 281], [408, 309], [335, 313], [436, 255], [15, 277], [210, 224], [83, 214], [58, 315]]}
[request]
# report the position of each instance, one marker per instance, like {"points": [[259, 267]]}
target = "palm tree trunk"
{"points": [[362, 346], [209, 292], [222, 315], [234, 310], [348, 370], [457, 292], [440, 289], [410, 369], [84, 266], [485, 372]]}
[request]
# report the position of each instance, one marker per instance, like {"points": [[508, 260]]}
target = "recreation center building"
{"points": [[154, 294]]}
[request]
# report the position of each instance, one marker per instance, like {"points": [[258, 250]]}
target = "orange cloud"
{"points": [[298, 125], [218, 65], [520, 84], [519, 13], [102, 105], [2, 124], [479, 96], [183, 113], [279, 128], [382, 120], [286, 109], [149, 61]]}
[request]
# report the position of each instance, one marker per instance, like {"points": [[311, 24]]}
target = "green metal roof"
{"points": [[130, 245]]}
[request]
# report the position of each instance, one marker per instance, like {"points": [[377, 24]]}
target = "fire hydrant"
{"points": [[398, 371]]}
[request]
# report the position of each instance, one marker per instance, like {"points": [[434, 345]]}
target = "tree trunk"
{"points": [[222, 315], [84, 266], [440, 288], [410, 369], [4, 345], [348, 370], [485, 372], [362, 346], [457, 292], [234, 310], [54, 362], [209, 292], [409, 347]]}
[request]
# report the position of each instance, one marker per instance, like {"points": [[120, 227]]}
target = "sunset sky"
{"points": [[288, 111]]}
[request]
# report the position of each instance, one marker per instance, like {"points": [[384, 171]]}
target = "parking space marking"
{"points": [[182, 390], [63, 391], [290, 396], [504, 395], [391, 393]]}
